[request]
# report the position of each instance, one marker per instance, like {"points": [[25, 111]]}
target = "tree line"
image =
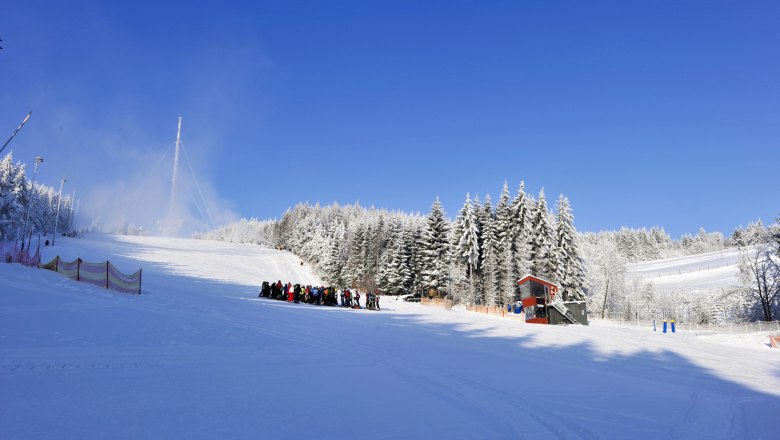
{"points": [[615, 293], [16, 191], [476, 259]]}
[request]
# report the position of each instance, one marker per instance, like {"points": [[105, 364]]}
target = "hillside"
{"points": [[198, 355], [707, 271]]}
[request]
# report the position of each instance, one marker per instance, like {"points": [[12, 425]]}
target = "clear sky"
{"points": [[642, 112]]}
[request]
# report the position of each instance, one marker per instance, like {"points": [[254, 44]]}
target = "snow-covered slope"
{"points": [[706, 271], [199, 356]]}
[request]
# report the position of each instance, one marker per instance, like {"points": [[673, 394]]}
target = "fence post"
{"points": [[140, 272], [106, 274], [57, 264], [78, 269]]}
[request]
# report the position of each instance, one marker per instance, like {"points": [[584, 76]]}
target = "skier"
{"points": [[376, 299], [290, 292], [357, 299]]}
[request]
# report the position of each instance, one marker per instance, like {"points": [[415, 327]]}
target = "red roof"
{"points": [[528, 278]]}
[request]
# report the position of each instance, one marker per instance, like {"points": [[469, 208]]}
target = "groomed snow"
{"points": [[197, 355], [708, 271]]}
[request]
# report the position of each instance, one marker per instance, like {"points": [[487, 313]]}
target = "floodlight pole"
{"points": [[17, 131], [57, 217], [38, 159]]}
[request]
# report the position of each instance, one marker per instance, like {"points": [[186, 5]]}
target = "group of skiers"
{"points": [[317, 295]]}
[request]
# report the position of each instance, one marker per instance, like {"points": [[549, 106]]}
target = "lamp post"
{"points": [[38, 159], [57, 217]]}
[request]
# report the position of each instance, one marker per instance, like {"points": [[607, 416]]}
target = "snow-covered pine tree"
{"points": [[488, 266], [416, 262], [478, 279], [570, 272], [504, 282], [13, 194], [399, 274], [435, 248], [542, 241], [386, 269], [354, 268], [521, 230], [467, 250], [333, 265]]}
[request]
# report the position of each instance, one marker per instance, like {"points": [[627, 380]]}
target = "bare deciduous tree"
{"points": [[761, 277]]}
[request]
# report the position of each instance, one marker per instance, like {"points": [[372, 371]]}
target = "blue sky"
{"points": [[642, 113]]}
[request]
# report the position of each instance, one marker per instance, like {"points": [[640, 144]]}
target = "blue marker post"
{"points": [[672, 325], [664, 326]]}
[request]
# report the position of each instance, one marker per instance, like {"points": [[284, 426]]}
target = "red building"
{"points": [[537, 295]]}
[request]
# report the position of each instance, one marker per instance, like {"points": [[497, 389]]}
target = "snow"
{"points": [[707, 271], [198, 355]]}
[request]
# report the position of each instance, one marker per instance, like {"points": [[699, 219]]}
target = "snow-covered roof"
{"points": [[538, 280]]}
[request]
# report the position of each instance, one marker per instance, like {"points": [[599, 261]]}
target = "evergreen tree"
{"points": [[467, 249], [503, 248], [333, 266], [488, 264], [521, 230], [570, 271], [542, 241], [354, 269], [435, 248], [399, 273]]}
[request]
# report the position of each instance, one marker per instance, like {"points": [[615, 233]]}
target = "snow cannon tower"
{"points": [[542, 306]]}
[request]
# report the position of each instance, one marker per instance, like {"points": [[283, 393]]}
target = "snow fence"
{"points": [[99, 274], [485, 310], [10, 253]]}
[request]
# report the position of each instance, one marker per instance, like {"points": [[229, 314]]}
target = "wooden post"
{"points": [[78, 269], [140, 272], [57, 264], [106, 274]]}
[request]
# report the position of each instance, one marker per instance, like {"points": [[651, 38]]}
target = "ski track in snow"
{"points": [[198, 355], [708, 271]]}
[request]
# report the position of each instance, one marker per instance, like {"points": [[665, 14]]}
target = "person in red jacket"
{"points": [[290, 292]]}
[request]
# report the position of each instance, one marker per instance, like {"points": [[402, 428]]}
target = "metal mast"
{"points": [[175, 170]]}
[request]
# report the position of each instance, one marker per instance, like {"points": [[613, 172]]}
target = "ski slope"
{"points": [[198, 356], [708, 271]]}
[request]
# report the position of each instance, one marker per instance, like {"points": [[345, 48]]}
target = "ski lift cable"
{"points": [[195, 179]]}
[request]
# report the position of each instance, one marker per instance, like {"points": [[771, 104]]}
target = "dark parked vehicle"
{"points": [[413, 298]]}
